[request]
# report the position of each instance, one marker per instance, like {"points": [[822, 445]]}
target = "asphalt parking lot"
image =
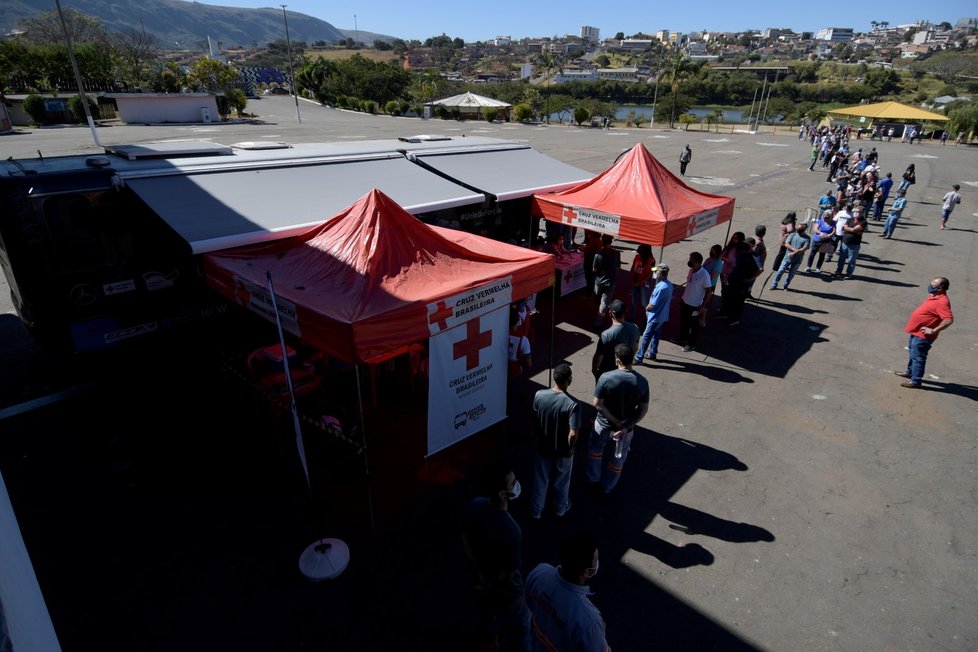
{"points": [[785, 493]]}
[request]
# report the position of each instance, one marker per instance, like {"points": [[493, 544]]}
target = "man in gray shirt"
{"points": [[620, 332], [558, 418], [621, 398]]}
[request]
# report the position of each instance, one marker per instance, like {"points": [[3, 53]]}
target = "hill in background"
{"points": [[186, 25]]}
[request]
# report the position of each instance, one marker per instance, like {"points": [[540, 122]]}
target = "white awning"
{"points": [[220, 209], [505, 173]]}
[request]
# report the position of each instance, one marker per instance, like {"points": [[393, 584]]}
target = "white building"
{"points": [[589, 33], [565, 76], [526, 70], [834, 34], [626, 74], [501, 41], [635, 44]]}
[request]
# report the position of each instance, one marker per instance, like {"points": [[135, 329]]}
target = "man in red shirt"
{"points": [[929, 319]]}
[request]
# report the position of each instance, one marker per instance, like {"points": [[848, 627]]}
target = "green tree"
{"points": [[581, 114], [236, 100], [883, 81], [490, 113], [964, 120], [548, 62], [211, 75], [687, 119], [34, 106], [680, 70], [77, 109], [522, 112]]}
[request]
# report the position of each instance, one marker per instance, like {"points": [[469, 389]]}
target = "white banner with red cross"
{"points": [[590, 220], [459, 308], [467, 378]]}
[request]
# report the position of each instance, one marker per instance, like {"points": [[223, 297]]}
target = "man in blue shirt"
{"points": [[657, 314], [882, 193], [896, 212], [827, 200]]}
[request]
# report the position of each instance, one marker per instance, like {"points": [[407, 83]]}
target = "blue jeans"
{"points": [[847, 252], [547, 472], [890, 225], [918, 358], [790, 263], [650, 340], [903, 185], [600, 445], [946, 213]]}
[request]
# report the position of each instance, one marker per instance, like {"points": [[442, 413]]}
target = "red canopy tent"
{"points": [[360, 285], [636, 199]]}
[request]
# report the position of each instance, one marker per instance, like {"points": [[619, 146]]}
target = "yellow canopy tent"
{"points": [[889, 111]]}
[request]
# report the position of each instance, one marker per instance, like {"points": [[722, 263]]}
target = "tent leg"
{"points": [[662, 252], [366, 462], [726, 238], [553, 319]]}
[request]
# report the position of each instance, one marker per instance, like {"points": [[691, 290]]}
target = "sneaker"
{"points": [[561, 514], [688, 348], [774, 287], [637, 360], [652, 358], [818, 270], [808, 269]]}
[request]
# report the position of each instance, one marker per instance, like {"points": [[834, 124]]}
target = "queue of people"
{"points": [[552, 609]]}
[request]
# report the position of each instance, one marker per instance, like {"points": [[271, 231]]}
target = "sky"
{"points": [[485, 21]]}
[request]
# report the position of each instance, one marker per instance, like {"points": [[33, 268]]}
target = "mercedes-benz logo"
{"points": [[83, 294]]}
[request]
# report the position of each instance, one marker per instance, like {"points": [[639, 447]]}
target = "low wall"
{"points": [[165, 107]]}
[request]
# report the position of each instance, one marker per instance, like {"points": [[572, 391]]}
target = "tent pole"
{"points": [[296, 422], [726, 238], [553, 317], [662, 252], [366, 462]]}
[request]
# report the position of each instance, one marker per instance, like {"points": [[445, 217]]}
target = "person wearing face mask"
{"points": [[564, 619], [693, 301], [493, 542], [924, 325], [657, 314]]}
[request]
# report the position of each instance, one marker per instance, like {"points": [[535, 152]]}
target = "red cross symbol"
{"points": [[439, 315], [474, 342], [568, 276], [568, 215]]}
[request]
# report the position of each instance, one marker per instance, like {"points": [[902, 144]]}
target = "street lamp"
{"points": [[288, 45]]}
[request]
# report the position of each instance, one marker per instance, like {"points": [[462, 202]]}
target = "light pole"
{"points": [[288, 45], [655, 96], [356, 33]]}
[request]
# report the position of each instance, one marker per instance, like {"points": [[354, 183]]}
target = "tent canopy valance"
{"points": [[893, 111], [636, 199], [367, 284]]}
